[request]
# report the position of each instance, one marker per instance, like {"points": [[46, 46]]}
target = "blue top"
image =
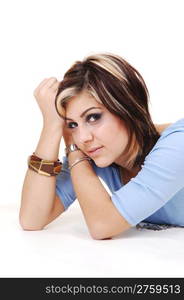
{"points": [[155, 194]]}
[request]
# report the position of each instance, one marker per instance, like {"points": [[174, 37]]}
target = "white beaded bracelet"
{"points": [[79, 160]]}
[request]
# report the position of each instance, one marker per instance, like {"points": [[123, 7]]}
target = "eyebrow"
{"points": [[84, 112]]}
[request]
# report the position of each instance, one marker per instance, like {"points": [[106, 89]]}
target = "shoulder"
{"points": [[177, 126], [160, 178], [171, 138], [165, 162]]}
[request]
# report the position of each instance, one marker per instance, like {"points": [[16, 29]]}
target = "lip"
{"points": [[94, 151]]}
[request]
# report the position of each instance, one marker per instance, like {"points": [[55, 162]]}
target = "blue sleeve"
{"points": [[64, 186], [161, 177]]}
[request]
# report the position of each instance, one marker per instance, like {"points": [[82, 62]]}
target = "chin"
{"points": [[102, 163]]}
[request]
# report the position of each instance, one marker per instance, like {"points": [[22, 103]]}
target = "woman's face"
{"points": [[98, 133]]}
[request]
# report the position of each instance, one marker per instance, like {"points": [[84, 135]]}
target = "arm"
{"points": [[101, 216], [39, 204]]}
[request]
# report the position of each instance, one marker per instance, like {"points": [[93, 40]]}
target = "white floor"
{"points": [[65, 249]]}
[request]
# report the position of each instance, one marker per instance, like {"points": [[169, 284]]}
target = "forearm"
{"points": [[96, 204], [38, 191]]}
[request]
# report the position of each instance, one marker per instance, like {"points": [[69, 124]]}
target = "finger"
{"points": [[50, 82], [55, 86]]}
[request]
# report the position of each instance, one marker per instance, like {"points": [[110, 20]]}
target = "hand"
{"points": [[68, 139], [45, 95]]}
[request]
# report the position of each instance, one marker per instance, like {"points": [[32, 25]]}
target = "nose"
{"points": [[84, 135]]}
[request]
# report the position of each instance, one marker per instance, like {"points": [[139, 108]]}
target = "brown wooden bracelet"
{"points": [[43, 166]]}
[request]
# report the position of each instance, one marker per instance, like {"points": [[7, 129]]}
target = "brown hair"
{"points": [[121, 89]]}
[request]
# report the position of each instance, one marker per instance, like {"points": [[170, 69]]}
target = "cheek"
{"points": [[122, 137], [111, 131], [101, 132]]}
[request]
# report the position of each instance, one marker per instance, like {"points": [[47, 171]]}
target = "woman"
{"points": [[101, 109]]}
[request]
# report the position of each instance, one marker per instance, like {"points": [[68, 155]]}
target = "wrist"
{"points": [[79, 161], [53, 129], [73, 156]]}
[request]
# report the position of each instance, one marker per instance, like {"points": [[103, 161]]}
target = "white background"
{"points": [[42, 38]]}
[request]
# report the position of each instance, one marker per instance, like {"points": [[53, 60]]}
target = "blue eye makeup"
{"points": [[96, 117], [91, 118]]}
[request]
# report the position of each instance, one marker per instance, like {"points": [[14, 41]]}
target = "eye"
{"points": [[93, 117], [71, 125]]}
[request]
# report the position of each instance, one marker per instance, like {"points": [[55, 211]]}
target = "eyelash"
{"points": [[96, 116]]}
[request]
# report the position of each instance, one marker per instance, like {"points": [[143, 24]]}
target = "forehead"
{"points": [[81, 102]]}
